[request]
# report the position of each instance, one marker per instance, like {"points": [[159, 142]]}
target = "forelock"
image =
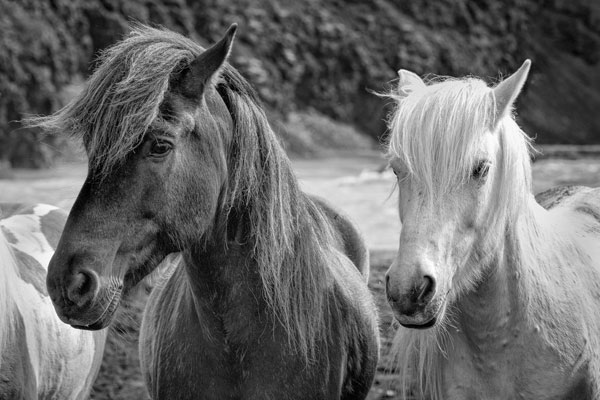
{"points": [[436, 131], [124, 94]]}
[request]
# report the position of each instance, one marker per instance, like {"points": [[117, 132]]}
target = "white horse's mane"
{"points": [[8, 277]]}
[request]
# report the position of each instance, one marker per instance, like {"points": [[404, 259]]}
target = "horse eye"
{"points": [[480, 170], [160, 148]]}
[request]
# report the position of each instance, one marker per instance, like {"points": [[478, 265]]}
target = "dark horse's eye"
{"points": [[160, 148], [480, 170]]}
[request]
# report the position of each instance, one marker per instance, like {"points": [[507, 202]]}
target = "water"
{"points": [[355, 184]]}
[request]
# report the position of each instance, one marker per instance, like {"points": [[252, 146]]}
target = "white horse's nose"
{"points": [[412, 298]]}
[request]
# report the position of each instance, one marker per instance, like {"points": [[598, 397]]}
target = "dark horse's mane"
{"points": [[291, 239]]}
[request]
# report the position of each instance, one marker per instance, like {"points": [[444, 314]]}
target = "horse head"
{"points": [[157, 136], [449, 154]]}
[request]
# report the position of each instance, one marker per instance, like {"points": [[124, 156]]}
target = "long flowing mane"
{"points": [[8, 276], [434, 133], [290, 237]]}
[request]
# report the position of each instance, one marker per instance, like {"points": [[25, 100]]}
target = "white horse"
{"points": [[499, 297], [40, 357]]}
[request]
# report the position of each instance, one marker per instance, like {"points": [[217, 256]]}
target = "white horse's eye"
{"points": [[400, 174], [480, 170]]}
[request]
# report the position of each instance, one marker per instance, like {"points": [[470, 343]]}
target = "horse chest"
{"points": [[237, 355], [520, 366], [213, 367]]}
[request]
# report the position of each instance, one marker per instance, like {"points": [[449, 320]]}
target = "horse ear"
{"points": [[507, 91], [409, 81], [195, 78]]}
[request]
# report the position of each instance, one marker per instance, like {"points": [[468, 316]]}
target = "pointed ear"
{"points": [[507, 91], [409, 82], [195, 77]]}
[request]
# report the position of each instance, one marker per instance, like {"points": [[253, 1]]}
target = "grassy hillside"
{"points": [[318, 58]]}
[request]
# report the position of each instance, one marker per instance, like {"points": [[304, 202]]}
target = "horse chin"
{"points": [[96, 326], [426, 319], [106, 316]]}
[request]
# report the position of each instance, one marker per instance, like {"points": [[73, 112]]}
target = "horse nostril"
{"points": [[82, 288], [427, 289]]}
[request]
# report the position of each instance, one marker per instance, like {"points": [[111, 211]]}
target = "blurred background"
{"points": [[313, 63]]}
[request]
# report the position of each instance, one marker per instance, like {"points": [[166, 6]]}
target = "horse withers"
{"points": [[268, 298], [497, 295], [40, 357]]}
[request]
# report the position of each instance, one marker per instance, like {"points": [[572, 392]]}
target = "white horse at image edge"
{"points": [[40, 357], [497, 294]]}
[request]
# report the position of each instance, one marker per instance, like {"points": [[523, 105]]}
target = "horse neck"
{"points": [[221, 275], [518, 282]]}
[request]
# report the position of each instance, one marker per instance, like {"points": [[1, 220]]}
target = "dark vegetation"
{"points": [[315, 59]]}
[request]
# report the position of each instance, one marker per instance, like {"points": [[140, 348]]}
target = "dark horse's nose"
{"points": [[82, 288], [77, 289], [415, 299]]}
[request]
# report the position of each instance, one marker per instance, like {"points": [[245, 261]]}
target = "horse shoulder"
{"points": [[576, 209], [160, 304], [588, 203], [555, 196], [361, 329], [351, 241]]}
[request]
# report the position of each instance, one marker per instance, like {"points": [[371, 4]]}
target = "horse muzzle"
{"points": [[80, 300], [417, 307]]}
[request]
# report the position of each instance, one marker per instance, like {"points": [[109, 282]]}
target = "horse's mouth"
{"points": [[425, 319], [105, 318], [426, 325]]}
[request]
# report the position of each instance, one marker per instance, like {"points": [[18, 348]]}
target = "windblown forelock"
{"points": [[124, 95], [435, 132]]}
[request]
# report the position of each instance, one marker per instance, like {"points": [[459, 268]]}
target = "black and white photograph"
{"points": [[299, 199]]}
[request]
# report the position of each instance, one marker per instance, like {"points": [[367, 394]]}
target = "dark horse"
{"points": [[268, 299]]}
